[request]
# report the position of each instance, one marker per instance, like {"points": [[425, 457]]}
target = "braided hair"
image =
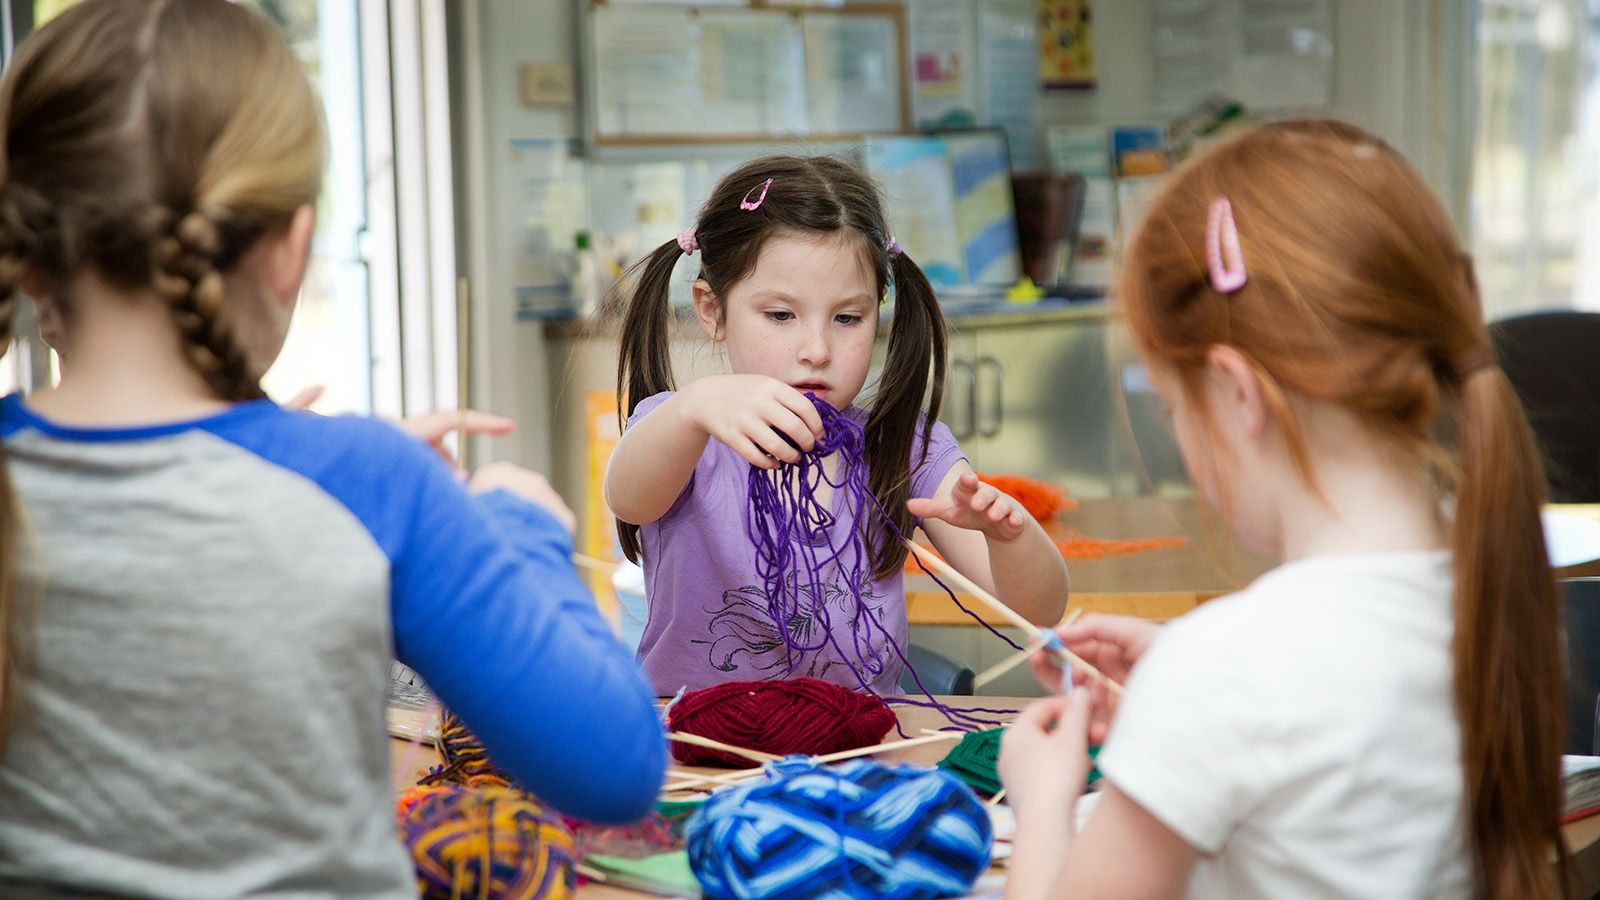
{"points": [[149, 143]]}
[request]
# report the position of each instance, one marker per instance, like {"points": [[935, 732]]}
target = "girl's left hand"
{"points": [[976, 506], [1044, 758]]}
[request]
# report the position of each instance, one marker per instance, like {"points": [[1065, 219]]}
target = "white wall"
{"points": [[509, 356]]}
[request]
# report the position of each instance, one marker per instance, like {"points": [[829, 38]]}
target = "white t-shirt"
{"points": [[1301, 734]]}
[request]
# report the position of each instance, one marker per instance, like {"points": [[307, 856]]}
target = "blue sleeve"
{"points": [[487, 607], [510, 639]]}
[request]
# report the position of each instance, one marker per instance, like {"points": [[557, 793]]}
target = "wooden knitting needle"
{"points": [[831, 757], [698, 741], [594, 564], [1006, 665], [1052, 643], [891, 745], [999, 795]]}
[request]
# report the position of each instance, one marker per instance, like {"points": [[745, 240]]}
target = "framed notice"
{"points": [[663, 73]]}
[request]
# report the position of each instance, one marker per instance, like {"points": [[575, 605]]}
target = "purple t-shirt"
{"points": [[707, 619]]}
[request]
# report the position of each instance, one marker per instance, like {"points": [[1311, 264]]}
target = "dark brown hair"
{"points": [[1359, 295], [150, 142], [815, 195]]}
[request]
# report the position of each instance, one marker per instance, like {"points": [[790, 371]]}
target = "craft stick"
{"points": [[593, 563], [1006, 665], [999, 795], [1054, 644], [892, 745], [700, 781], [698, 741]]}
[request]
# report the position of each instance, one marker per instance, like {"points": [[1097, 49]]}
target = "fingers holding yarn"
{"points": [[1044, 756]]}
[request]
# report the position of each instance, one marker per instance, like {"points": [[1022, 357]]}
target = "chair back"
{"points": [[1552, 360], [939, 673], [1581, 599]]}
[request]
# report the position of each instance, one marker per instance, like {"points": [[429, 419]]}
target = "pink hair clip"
{"points": [[891, 246], [687, 242], [1223, 255], [746, 205]]}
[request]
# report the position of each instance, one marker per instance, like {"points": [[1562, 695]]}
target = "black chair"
{"points": [[939, 673], [1552, 360], [1581, 599]]}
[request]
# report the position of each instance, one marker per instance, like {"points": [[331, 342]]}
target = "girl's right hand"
{"points": [[752, 414], [524, 483], [1112, 644]]}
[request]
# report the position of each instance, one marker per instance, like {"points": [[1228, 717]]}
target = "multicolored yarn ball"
{"points": [[463, 759], [488, 842], [803, 716], [857, 829], [414, 795]]}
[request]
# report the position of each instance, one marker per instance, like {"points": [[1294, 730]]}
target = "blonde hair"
{"points": [[1359, 295], [150, 142]]}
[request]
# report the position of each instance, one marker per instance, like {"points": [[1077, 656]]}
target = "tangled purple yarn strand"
{"points": [[793, 536]]}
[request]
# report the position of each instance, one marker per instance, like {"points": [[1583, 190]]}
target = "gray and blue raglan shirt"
{"points": [[216, 605]]}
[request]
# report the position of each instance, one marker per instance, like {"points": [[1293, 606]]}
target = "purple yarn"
{"points": [[792, 533]]}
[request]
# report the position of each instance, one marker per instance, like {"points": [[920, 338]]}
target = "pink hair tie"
{"points": [[687, 242], [891, 246], [1223, 255], [746, 205]]}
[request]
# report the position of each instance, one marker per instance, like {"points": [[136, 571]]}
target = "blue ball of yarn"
{"points": [[858, 829]]}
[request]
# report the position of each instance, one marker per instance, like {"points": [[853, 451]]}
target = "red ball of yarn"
{"points": [[801, 715]]}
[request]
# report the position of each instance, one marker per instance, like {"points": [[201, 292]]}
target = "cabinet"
{"points": [[1044, 397]]}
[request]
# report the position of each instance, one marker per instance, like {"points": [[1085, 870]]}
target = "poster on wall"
{"points": [[1008, 47], [547, 206], [919, 191], [942, 43], [1066, 44], [1270, 55]]}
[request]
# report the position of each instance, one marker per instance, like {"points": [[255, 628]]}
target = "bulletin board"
{"points": [[669, 73]]}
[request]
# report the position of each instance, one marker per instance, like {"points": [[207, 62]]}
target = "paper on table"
{"points": [[1570, 539], [665, 874]]}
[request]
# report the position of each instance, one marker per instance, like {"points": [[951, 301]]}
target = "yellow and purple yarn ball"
{"points": [[487, 842]]}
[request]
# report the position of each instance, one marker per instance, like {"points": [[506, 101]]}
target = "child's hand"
{"points": [[527, 484], [432, 427], [1044, 758], [752, 414], [976, 506], [1112, 644]]}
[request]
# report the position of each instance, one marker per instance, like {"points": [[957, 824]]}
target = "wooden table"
{"points": [[1153, 584], [408, 761]]}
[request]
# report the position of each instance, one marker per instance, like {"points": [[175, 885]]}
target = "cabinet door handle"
{"points": [[969, 374], [997, 396]]}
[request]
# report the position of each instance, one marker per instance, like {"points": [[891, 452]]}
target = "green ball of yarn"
{"points": [[976, 760]]}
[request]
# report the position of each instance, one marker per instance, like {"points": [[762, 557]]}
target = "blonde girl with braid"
{"points": [[200, 591]]}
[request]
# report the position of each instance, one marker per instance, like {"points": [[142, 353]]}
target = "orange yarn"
{"points": [[1041, 499], [1077, 546]]}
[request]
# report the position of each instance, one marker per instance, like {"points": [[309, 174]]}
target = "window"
{"points": [[338, 338], [1535, 195]]}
